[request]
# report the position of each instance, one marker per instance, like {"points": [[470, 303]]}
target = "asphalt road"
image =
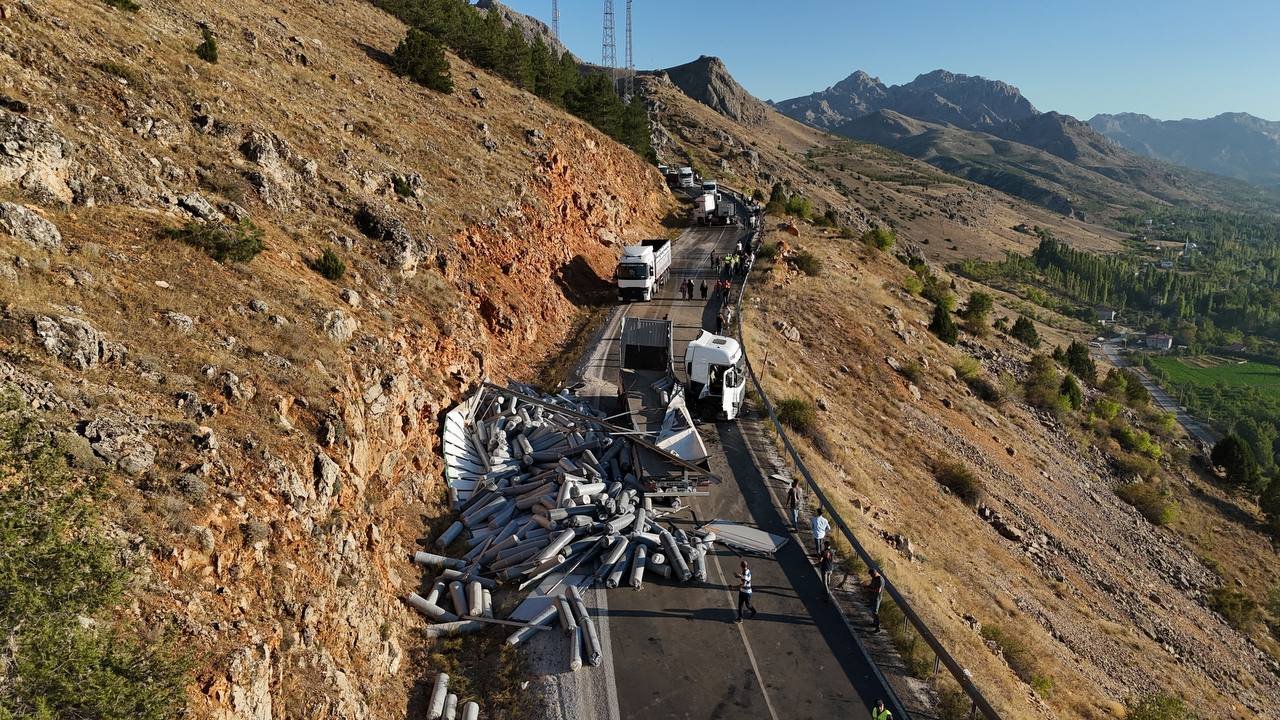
{"points": [[1193, 425], [676, 651]]}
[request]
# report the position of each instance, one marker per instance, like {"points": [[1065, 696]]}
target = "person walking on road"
{"points": [[820, 527], [880, 712], [720, 322], [744, 591], [793, 502], [703, 289], [826, 563], [877, 591]]}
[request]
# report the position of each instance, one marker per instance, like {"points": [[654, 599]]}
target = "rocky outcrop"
{"points": [[35, 157], [75, 342], [29, 227], [708, 81], [398, 248]]}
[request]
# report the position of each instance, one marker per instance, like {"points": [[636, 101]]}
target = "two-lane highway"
{"points": [[676, 651]]}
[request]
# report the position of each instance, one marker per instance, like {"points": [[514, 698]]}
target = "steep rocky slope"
{"points": [[1236, 145], [708, 81], [270, 435], [1103, 605]]}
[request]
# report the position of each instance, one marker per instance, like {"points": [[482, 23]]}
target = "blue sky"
{"points": [[1170, 59]]}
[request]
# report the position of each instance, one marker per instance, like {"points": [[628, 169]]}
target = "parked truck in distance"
{"points": [[643, 269], [726, 211], [686, 177], [717, 373]]}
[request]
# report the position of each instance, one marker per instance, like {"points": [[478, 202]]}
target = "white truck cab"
{"points": [[717, 373], [686, 177]]}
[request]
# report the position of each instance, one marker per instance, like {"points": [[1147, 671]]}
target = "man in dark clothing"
{"points": [[793, 502], [720, 323], [877, 590], [744, 591], [703, 289], [826, 563]]}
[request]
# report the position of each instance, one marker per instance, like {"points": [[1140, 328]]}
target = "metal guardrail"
{"points": [[957, 672]]}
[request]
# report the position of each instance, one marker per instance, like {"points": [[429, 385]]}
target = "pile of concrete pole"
{"points": [[443, 704], [565, 507]]}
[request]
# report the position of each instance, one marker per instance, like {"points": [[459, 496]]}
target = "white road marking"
{"points": [[746, 643]]}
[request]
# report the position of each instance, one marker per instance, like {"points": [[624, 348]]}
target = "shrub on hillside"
{"points": [[959, 479], [1020, 656], [207, 50], [912, 371], [329, 265], [768, 251], [943, 326], [1234, 456], [420, 57], [1043, 383], [848, 233], [1080, 362], [1155, 502], [880, 238], [1139, 441], [128, 5], [1238, 609], [56, 571], [1131, 465], [224, 243], [1071, 392], [807, 263], [798, 414], [1024, 331], [799, 206], [913, 285], [1157, 707]]}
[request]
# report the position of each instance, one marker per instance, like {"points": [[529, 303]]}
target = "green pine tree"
{"points": [[420, 57]]}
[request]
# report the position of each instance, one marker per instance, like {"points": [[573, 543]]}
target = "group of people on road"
{"points": [[687, 289]]}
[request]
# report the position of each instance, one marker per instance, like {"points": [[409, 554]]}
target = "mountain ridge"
{"points": [[1234, 144]]}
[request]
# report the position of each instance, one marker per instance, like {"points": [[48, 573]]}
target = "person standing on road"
{"points": [[713, 258], [793, 502], [720, 322], [703, 288], [877, 591], [744, 591], [820, 527], [880, 712], [826, 563]]}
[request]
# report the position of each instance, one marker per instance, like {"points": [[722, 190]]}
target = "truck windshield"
{"points": [[633, 271]]}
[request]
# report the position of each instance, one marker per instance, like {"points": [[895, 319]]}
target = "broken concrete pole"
{"points": [[575, 648], [471, 711], [449, 629], [437, 589], [433, 560], [638, 559], [675, 557], [448, 536], [567, 622], [564, 538], [435, 707], [459, 597], [430, 609], [475, 598], [594, 656], [528, 630]]}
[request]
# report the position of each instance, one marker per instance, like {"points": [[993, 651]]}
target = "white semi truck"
{"points": [[704, 209], [643, 269], [717, 373], [686, 178]]}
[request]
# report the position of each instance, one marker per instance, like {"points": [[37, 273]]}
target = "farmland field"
{"points": [[1208, 371]]}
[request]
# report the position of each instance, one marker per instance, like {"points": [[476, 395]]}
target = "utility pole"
{"points": [[631, 65], [555, 18], [609, 57]]}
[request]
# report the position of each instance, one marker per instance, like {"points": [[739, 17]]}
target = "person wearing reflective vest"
{"points": [[880, 712]]}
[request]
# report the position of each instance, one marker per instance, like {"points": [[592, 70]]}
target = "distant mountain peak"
{"points": [[1235, 144]]}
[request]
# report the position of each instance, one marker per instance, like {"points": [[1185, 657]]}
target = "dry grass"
{"points": [[886, 446]]}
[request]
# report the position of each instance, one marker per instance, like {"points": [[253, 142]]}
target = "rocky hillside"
{"points": [[964, 125], [268, 433], [1059, 598], [1236, 145], [708, 81]]}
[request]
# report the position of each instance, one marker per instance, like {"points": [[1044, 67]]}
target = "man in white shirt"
{"points": [[820, 528], [744, 591]]}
